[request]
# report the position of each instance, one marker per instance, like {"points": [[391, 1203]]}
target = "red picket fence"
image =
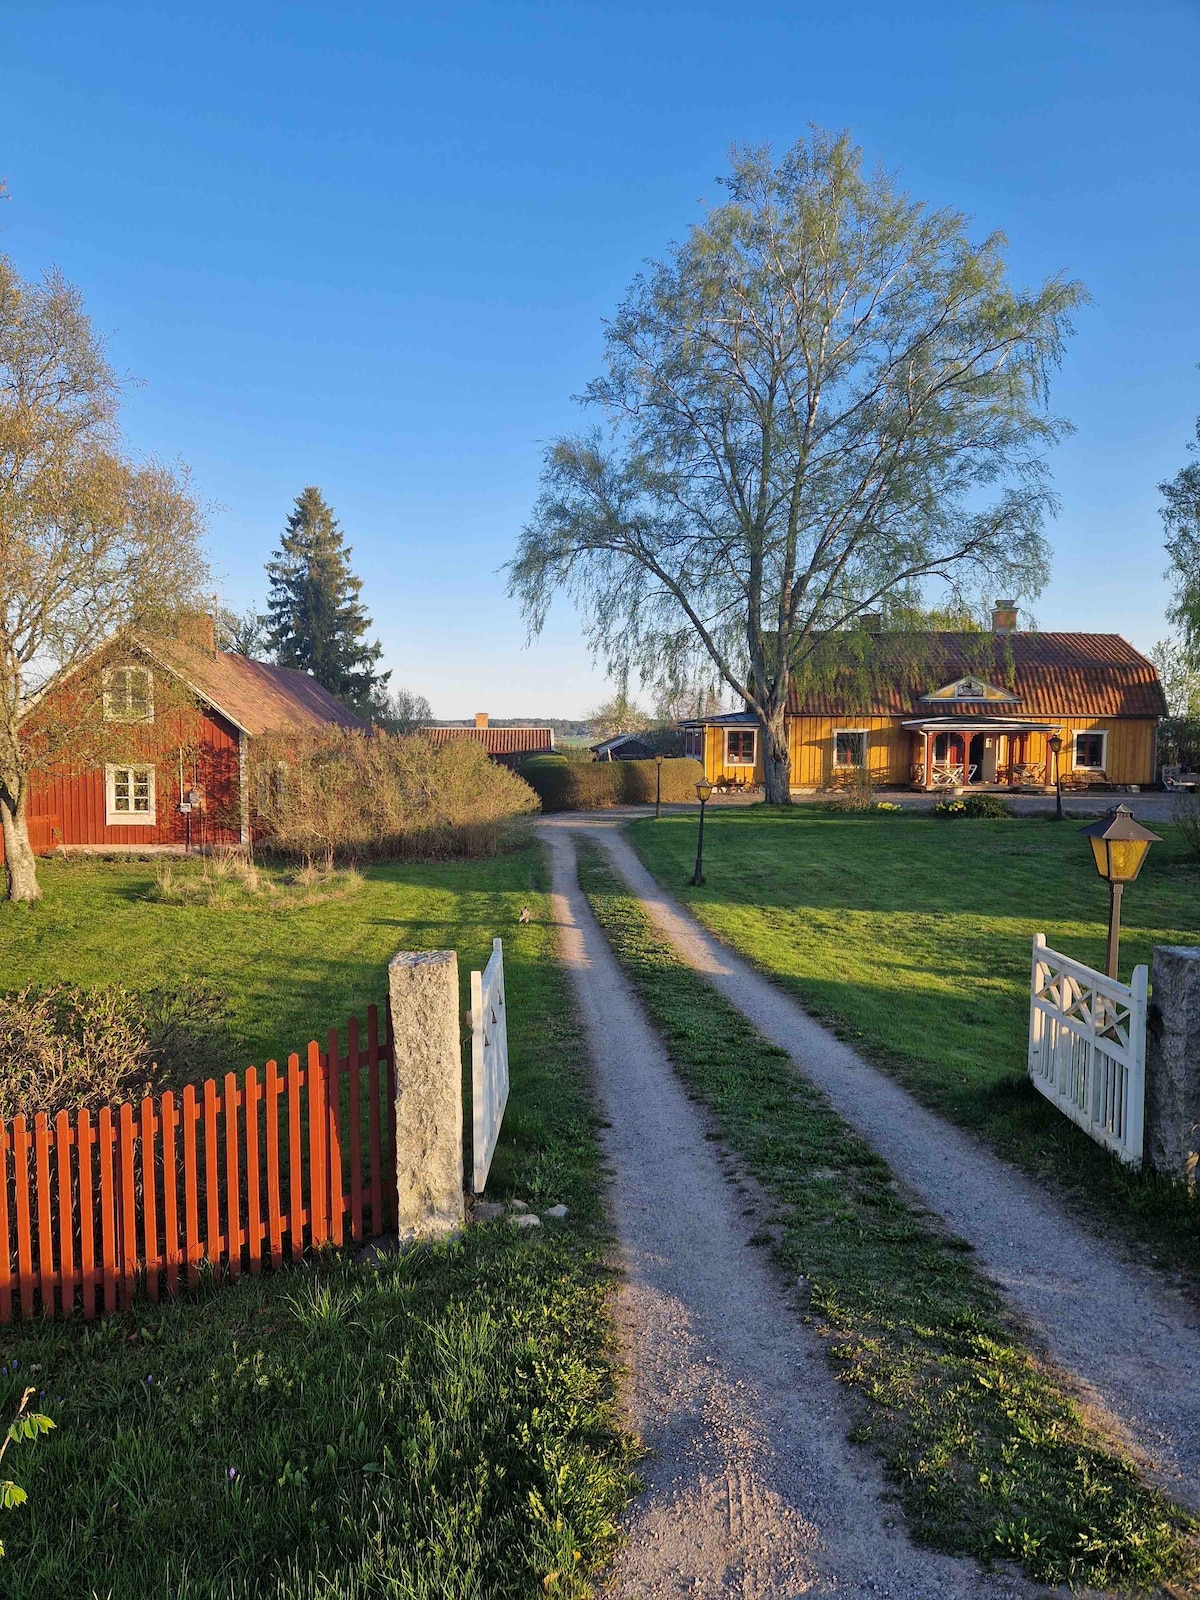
{"points": [[236, 1174]]}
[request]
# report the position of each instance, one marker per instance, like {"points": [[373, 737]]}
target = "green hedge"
{"points": [[590, 785]]}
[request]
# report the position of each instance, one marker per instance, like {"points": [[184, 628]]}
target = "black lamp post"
{"points": [[658, 786], [1056, 744], [703, 790], [1120, 845]]}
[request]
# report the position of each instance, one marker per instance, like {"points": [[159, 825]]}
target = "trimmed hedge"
{"points": [[591, 785]]}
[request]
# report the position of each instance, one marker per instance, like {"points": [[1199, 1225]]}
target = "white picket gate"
{"points": [[489, 1062], [1087, 1047]]}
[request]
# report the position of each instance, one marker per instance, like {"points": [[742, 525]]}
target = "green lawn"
{"points": [[440, 1429], [989, 1454], [913, 936]]}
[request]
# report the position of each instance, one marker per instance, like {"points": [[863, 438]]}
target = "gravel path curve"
{"points": [[1129, 1340], [752, 1490]]}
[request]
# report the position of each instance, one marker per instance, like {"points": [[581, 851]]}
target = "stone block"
{"points": [[423, 993], [1172, 1136]]}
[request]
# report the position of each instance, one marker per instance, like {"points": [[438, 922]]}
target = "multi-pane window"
{"points": [[129, 695], [849, 748], [1089, 751], [129, 795], [693, 743], [739, 747]]}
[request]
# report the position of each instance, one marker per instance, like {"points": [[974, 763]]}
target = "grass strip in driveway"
{"points": [[988, 1452], [439, 1429]]}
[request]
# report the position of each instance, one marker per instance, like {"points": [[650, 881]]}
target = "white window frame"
{"points": [[114, 712], [1089, 733], [693, 743], [740, 761], [115, 818], [851, 766]]}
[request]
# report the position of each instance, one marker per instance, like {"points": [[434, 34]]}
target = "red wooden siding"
{"points": [[235, 1174]]}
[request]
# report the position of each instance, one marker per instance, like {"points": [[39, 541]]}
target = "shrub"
{"points": [[579, 786], [337, 795], [1185, 814], [850, 790], [64, 1046], [974, 805]]}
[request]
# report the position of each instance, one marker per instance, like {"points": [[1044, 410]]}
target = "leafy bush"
{"points": [[332, 795], [974, 805], [578, 786], [233, 880], [65, 1046], [1185, 814]]}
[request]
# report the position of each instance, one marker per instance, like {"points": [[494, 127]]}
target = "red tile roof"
{"points": [[1052, 674], [498, 741], [257, 697]]}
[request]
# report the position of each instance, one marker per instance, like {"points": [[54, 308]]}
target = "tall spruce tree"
{"points": [[317, 622]]}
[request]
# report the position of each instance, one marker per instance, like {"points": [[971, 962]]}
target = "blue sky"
{"points": [[371, 247]]}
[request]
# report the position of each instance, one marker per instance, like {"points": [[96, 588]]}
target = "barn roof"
{"points": [[255, 696], [1048, 674], [498, 741]]}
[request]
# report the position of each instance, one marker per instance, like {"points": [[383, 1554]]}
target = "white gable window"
{"points": [[129, 695], [129, 798], [850, 747]]}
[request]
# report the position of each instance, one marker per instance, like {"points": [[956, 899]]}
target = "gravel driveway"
{"points": [[1131, 1342], [752, 1489]]}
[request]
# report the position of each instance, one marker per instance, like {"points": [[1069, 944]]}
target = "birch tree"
{"points": [[91, 542], [827, 398]]}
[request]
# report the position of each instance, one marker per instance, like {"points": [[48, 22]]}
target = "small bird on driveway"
{"points": [[526, 915]]}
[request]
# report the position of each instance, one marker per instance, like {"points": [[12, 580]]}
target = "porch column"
{"points": [[928, 758]]}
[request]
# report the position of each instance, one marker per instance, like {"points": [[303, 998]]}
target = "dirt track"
{"points": [[752, 1489], [1130, 1341]]}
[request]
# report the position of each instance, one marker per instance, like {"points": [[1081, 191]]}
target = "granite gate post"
{"points": [[423, 993], [1173, 1064]]}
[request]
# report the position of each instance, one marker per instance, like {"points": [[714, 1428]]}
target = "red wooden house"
{"points": [[193, 710]]}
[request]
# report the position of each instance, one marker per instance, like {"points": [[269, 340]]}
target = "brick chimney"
{"points": [[1004, 617], [481, 719], [871, 621]]}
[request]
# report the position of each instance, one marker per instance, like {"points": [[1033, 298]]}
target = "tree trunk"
{"points": [[20, 863], [777, 763]]}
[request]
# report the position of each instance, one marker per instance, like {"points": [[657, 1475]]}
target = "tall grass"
{"points": [[342, 795]]}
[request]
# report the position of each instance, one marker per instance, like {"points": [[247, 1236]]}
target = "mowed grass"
{"points": [[913, 937], [441, 1428], [989, 1454]]}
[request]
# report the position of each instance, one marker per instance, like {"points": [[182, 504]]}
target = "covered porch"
{"points": [[951, 753]]}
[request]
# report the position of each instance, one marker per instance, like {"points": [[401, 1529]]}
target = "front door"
{"points": [[975, 759]]}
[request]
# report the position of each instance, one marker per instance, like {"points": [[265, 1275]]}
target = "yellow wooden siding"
{"points": [[893, 750]]}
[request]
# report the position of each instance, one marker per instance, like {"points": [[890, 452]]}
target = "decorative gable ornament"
{"points": [[971, 691]]}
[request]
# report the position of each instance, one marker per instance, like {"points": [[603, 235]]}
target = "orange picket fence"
{"points": [[232, 1173]]}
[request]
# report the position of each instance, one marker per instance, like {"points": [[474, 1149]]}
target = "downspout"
{"points": [[242, 788]]}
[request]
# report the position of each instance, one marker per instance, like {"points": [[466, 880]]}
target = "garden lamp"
{"points": [[703, 790], [1055, 742], [1120, 844], [658, 760]]}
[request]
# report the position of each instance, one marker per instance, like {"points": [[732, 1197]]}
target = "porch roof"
{"points": [[981, 724]]}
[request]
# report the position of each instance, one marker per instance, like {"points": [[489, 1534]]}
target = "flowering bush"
{"points": [[974, 805]]}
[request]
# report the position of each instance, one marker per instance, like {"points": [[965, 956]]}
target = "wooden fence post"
{"points": [[423, 992]]}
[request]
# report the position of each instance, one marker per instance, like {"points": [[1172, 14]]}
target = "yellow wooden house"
{"points": [[983, 717]]}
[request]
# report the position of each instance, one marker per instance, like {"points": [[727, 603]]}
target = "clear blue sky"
{"points": [[371, 247]]}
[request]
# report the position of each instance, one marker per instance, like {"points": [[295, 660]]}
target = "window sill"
{"points": [[122, 819]]}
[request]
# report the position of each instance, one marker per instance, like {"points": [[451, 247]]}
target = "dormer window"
{"points": [[971, 691], [129, 695]]}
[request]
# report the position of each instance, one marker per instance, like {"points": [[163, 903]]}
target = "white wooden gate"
{"points": [[489, 1062], [1087, 1047]]}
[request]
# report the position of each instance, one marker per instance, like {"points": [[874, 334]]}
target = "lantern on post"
{"points": [[1056, 743], [1120, 845], [658, 761], [703, 790]]}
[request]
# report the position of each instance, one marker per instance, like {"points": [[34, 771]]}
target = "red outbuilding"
{"points": [[190, 712]]}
